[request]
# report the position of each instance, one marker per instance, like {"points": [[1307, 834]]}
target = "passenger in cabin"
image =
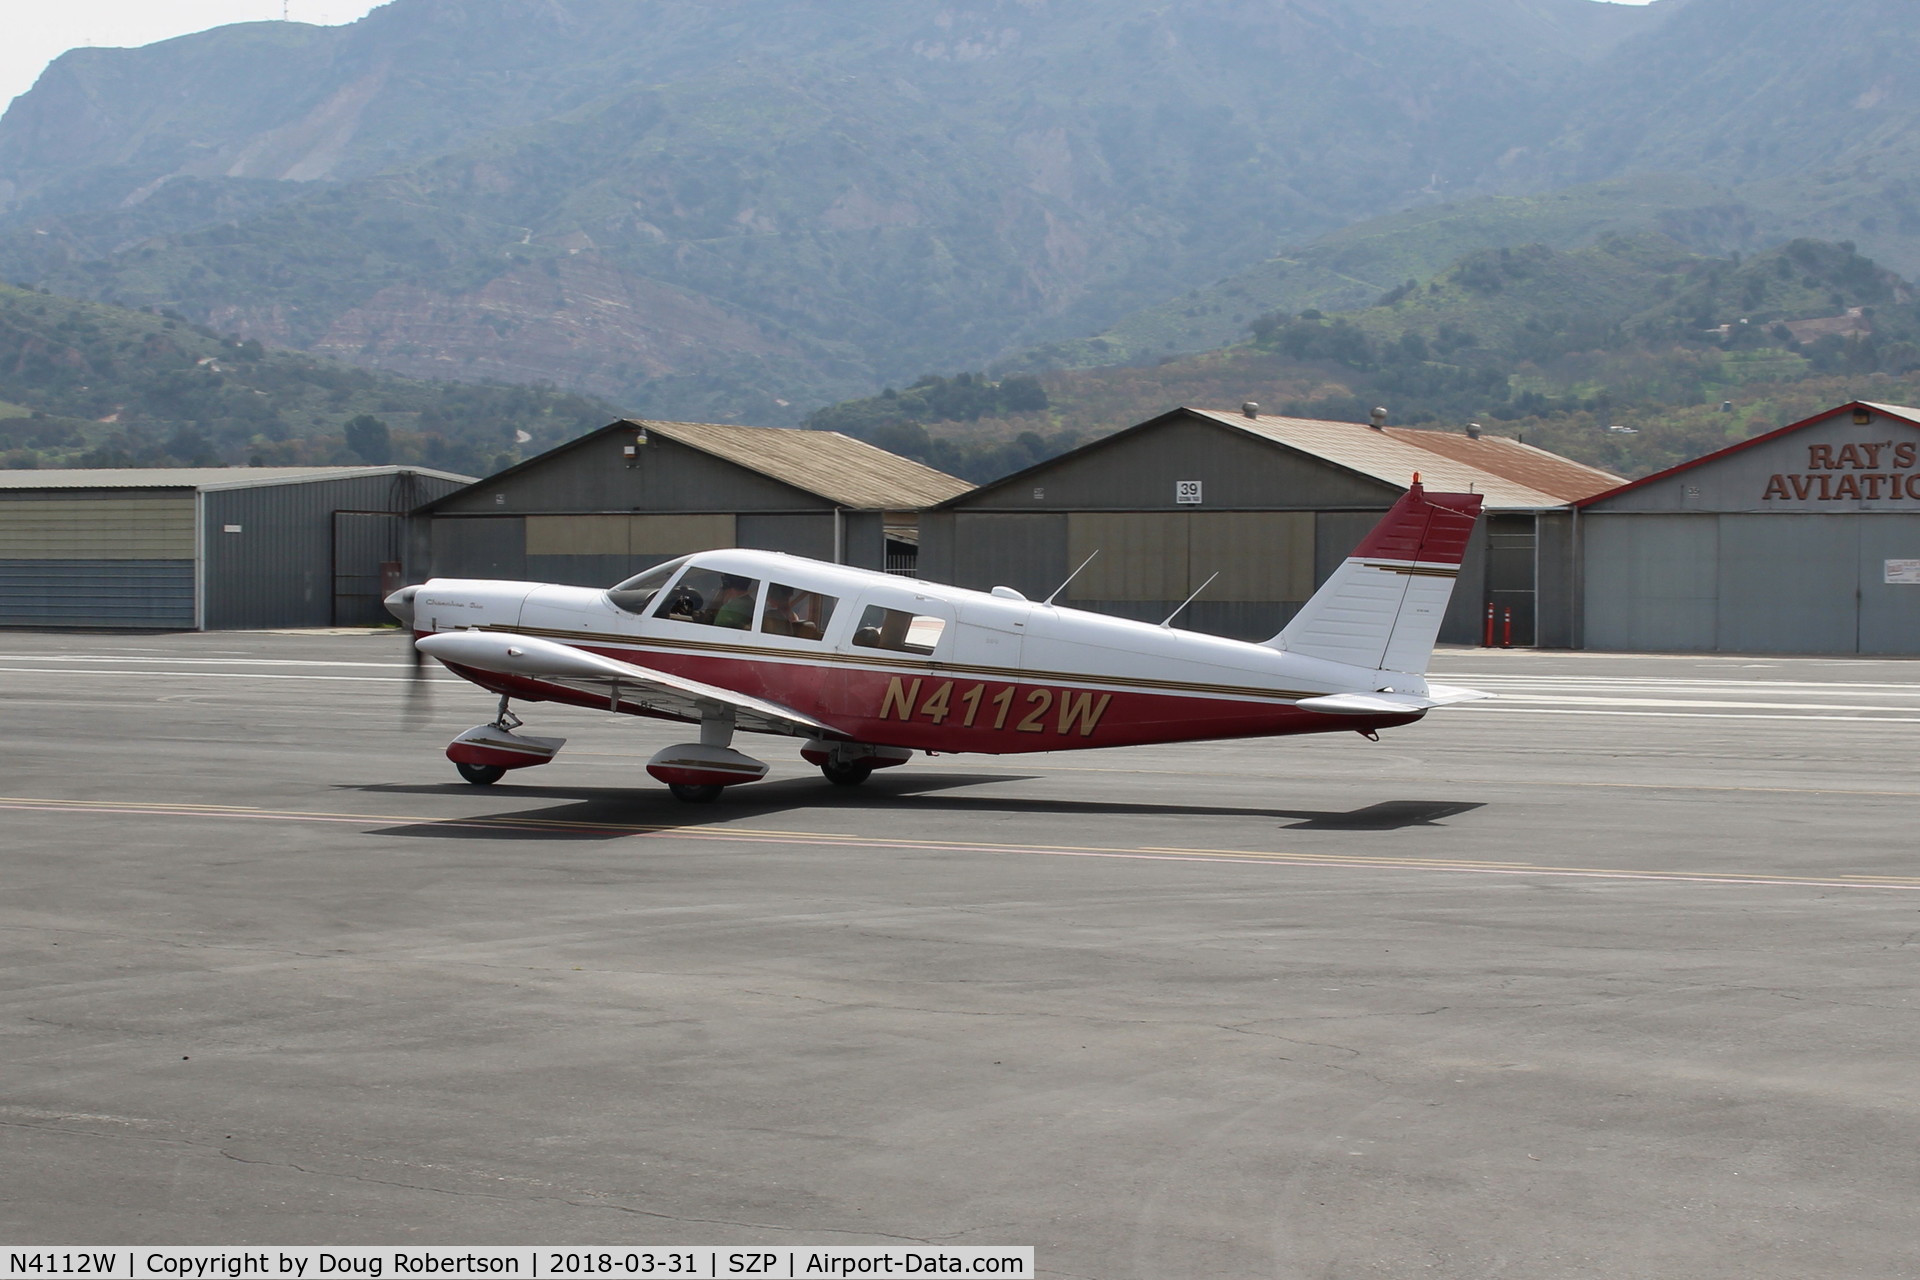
{"points": [[793, 612], [777, 618], [734, 605]]}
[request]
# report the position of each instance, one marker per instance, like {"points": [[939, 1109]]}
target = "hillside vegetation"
{"points": [[741, 211], [84, 384], [733, 211], [1351, 267], [1685, 351]]}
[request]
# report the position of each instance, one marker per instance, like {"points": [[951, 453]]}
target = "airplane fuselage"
{"points": [[898, 662]]}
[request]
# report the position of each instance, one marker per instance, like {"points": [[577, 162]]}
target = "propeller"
{"points": [[416, 708]]}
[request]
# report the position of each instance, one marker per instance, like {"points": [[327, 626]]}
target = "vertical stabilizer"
{"points": [[1381, 609]]}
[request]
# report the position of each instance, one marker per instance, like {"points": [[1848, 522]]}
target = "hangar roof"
{"points": [[846, 472], [1511, 475], [851, 472], [201, 477], [1517, 460]]}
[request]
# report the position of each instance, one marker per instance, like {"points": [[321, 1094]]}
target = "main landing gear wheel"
{"points": [[846, 775], [480, 775], [694, 793]]}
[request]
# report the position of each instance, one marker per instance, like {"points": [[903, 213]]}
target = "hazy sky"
{"points": [[38, 31]]}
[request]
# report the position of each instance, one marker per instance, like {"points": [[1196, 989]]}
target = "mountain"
{"points": [[86, 384], [740, 209], [1806, 112], [1636, 331], [733, 208], [1351, 267]]}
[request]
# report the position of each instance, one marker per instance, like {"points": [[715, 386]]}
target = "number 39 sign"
{"points": [[1186, 491]]}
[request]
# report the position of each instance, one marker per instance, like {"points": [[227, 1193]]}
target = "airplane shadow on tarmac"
{"points": [[611, 813]]}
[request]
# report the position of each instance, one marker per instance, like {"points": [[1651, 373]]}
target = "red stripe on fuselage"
{"points": [[932, 711]]}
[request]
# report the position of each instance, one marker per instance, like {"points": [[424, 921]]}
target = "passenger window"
{"points": [[634, 594], [882, 628], [792, 612], [711, 599]]}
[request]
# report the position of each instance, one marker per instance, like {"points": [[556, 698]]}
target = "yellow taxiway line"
{"points": [[1156, 853]]}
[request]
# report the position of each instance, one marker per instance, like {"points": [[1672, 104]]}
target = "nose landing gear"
{"points": [[484, 753]]}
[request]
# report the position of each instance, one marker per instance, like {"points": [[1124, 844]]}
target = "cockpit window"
{"points": [[882, 628], [792, 612], [634, 594], [711, 599]]}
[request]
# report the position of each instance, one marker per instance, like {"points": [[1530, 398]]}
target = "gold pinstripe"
{"points": [[1010, 674], [1417, 570]]}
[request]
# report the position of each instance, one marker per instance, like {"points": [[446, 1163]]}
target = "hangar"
{"points": [[632, 494], [1802, 540], [213, 548], [1272, 505]]}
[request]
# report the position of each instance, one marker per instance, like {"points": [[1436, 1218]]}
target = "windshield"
{"points": [[634, 594]]}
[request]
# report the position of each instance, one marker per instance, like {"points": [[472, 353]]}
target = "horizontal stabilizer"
{"points": [[1375, 704]]}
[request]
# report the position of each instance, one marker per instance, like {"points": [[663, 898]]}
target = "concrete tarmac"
{"points": [[1614, 977]]}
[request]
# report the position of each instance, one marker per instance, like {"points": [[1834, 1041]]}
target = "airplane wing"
{"points": [[544, 660], [1374, 704]]}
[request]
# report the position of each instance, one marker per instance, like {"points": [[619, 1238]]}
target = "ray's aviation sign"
{"points": [[1849, 472]]}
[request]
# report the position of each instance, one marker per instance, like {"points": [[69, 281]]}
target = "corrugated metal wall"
{"points": [[806, 534], [584, 550], [364, 543], [1554, 591], [477, 547], [1650, 581], [586, 516], [1889, 612], [270, 549], [1271, 562], [599, 550], [1749, 583], [107, 558], [1259, 556], [1276, 522], [983, 550], [149, 594], [1511, 549]]}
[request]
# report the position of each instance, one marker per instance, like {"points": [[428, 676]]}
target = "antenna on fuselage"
{"points": [[1190, 599], [1070, 577]]}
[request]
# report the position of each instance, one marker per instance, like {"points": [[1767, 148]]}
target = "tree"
{"points": [[368, 436]]}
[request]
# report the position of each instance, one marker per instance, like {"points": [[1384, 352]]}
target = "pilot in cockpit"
{"points": [[734, 605]]}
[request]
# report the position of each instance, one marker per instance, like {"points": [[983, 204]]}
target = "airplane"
{"points": [[869, 668]]}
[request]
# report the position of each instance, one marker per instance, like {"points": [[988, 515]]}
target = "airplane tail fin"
{"points": [[1382, 608]]}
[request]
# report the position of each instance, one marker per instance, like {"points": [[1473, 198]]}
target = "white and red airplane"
{"points": [[869, 668]]}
